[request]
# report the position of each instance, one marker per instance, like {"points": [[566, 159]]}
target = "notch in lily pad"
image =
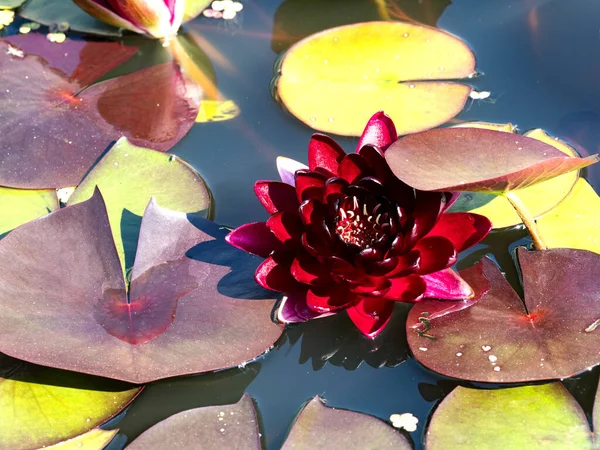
{"points": [[502, 339], [191, 305], [335, 80]]}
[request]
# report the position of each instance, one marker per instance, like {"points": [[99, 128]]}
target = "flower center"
{"points": [[362, 224]]}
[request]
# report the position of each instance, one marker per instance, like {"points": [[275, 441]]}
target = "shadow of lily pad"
{"points": [[64, 302], [40, 406], [502, 339], [55, 122], [545, 416]]}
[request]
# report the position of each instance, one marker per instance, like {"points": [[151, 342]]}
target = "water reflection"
{"points": [[335, 340]]}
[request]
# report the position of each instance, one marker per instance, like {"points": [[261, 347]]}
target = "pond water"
{"points": [[540, 60]]}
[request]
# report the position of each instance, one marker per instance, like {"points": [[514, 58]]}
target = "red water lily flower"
{"points": [[346, 234]]}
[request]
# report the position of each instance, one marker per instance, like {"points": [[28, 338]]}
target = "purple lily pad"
{"points": [[498, 340], [477, 160], [192, 306], [319, 427], [55, 123], [210, 427]]}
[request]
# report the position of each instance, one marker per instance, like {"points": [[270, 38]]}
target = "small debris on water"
{"points": [[493, 359], [593, 326], [486, 348], [405, 421], [479, 95], [423, 349]]}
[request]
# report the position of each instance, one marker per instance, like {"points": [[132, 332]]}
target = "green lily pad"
{"points": [[574, 223], [193, 8], [539, 198], [529, 417], [11, 4], [40, 406], [128, 176], [334, 81], [49, 12], [92, 440], [19, 206]]}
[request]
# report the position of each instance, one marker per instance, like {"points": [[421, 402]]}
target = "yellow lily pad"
{"points": [[335, 80], [217, 111], [19, 206], [575, 222], [539, 198], [95, 439]]}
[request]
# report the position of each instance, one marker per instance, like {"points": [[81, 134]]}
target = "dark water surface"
{"points": [[540, 59]]}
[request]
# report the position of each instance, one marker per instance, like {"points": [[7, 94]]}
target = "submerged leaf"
{"points": [[528, 417], [334, 81], [40, 407], [192, 301], [575, 223], [539, 198], [128, 176], [477, 160], [54, 126], [501, 340], [320, 427], [210, 427]]}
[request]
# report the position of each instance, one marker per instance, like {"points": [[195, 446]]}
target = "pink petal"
{"points": [[254, 238], [406, 289], [287, 168], [436, 252], [462, 229], [293, 309], [276, 196], [447, 285], [324, 154], [380, 132], [274, 274], [371, 315]]}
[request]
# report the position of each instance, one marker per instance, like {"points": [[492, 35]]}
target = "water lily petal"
{"points": [[447, 285], [308, 270], [315, 245], [312, 213], [353, 167], [371, 315], [255, 238], [274, 274], [451, 198], [287, 168], [462, 229], [406, 289], [293, 309], [287, 228], [380, 132], [96, 9], [428, 207], [324, 155], [437, 253], [309, 185], [332, 298], [334, 189], [276, 196]]}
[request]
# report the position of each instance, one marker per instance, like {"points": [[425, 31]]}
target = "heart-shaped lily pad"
{"points": [[477, 160], [54, 125], [92, 440], [18, 206], [529, 417], [334, 81], [210, 427], [41, 406], [191, 307], [574, 223], [49, 12], [497, 340], [320, 427], [539, 198], [128, 176]]}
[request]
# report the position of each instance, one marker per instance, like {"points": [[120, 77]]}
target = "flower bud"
{"points": [[156, 18]]}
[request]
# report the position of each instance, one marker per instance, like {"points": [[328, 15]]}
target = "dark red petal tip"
{"points": [[380, 132]]}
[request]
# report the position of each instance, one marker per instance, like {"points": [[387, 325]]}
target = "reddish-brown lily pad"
{"points": [[55, 123], [498, 340], [477, 160], [210, 427], [191, 306], [320, 427]]}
